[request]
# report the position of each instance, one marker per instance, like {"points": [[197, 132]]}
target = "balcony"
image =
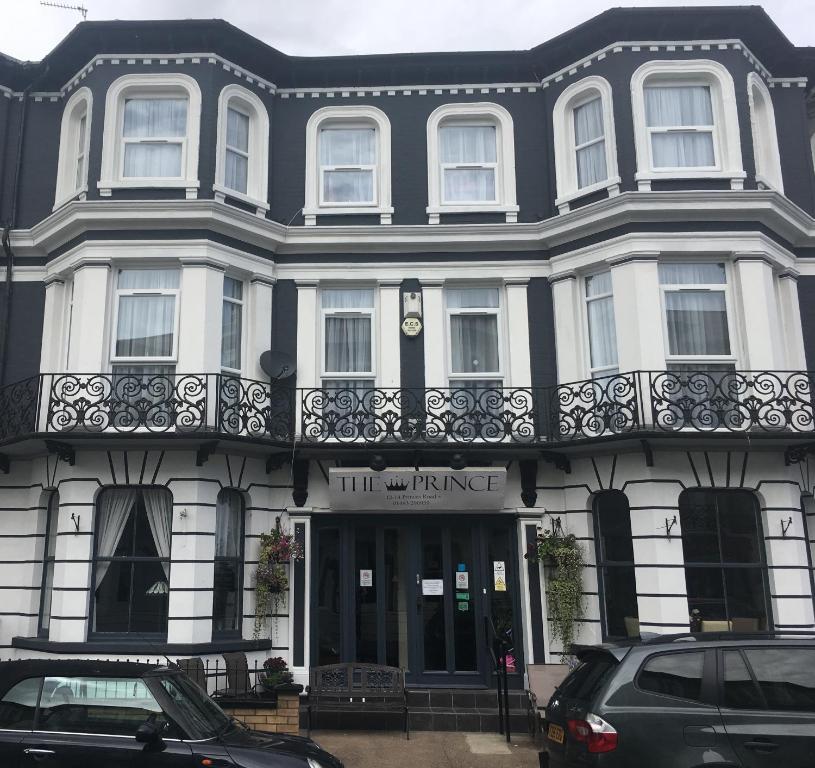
{"points": [[634, 404]]}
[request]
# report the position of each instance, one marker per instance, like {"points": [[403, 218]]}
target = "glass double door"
{"points": [[414, 594]]}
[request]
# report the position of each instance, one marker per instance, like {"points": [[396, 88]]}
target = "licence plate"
{"points": [[555, 733]]}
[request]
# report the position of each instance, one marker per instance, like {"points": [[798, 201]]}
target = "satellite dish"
{"points": [[277, 365]]}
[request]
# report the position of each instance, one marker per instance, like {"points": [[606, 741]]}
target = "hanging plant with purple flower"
{"points": [[277, 549]]}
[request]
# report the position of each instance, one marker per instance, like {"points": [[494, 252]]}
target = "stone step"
{"points": [[460, 698]]}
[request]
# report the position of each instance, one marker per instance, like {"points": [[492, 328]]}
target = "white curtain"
{"points": [[236, 167], [474, 343], [697, 323], [691, 273], [159, 510], [145, 326], [468, 145], [472, 298], [589, 131], [146, 119], [677, 107], [231, 321], [227, 524], [149, 279], [114, 510], [348, 338], [348, 147], [602, 328]]}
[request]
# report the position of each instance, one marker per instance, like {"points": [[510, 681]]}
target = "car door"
{"points": [[768, 705], [17, 709], [91, 722]]}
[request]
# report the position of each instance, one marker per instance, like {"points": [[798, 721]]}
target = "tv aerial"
{"points": [[81, 8], [277, 365]]}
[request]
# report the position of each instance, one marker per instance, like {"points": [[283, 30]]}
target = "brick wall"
{"points": [[285, 718]]}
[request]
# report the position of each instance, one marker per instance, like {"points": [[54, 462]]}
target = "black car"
{"points": [[91, 714], [687, 701]]}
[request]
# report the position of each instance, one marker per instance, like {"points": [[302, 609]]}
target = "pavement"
{"points": [[428, 749]]}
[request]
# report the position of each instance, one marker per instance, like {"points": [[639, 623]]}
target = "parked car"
{"points": [[686, 701], [90, 714]]}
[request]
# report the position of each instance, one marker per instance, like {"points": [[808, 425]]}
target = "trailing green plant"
{"points": [[562, 555], [277, 549]]}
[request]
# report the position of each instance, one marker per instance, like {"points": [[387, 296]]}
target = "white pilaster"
{"points": [[388, 353], [762, 323], [200, 309], [53, 325], [791, 322], [89, 346], [308, 363], [568, 338], [435, 332], [518, 363], [259, 325]]}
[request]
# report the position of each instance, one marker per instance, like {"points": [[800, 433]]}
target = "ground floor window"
{"points": [[226, 601], [615, 565], [49, 553], [132, 560], [725, 568]]}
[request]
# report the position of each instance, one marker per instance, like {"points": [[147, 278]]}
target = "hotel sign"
{"points": [[426, 490]]}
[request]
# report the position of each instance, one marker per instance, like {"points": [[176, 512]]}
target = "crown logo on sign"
{"points": [[395, 486]]}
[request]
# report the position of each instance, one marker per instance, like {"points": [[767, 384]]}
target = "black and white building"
{"points": [[603, 252]]}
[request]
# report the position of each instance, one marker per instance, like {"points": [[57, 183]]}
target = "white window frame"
{"points": [[150, 86], [172, 359], [362, 116], [78, 106], [725, 130], [604, 370], [764, 134], [257, 181], [576, 95], [498, 312], [372, 167], [355, 312], [732, 328], [241, 302], [473, 113]]}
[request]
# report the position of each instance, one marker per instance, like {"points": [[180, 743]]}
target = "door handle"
{"points": [[38, 752], [761, 745]]}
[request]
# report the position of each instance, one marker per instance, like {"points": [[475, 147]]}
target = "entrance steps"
{"points": [[431, 709]]}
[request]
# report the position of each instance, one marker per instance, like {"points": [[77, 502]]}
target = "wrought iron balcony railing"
{"points": [[638, 402]]}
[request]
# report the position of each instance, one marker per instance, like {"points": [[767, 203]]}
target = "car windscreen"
{"points": [[587, 677], [199, 715]]}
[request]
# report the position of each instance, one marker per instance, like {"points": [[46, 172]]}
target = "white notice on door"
{"points": [[366, 578], [432, 586], [499, 575], [462, 579]]}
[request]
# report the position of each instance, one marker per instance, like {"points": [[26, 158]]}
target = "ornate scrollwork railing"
{"points": [[638, 402]]}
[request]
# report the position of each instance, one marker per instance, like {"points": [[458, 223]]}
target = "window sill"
{"points": [[222, 192], [191, 186], [435, 211], [612, 185], [644, 178], [149, 647], [385, 212]]}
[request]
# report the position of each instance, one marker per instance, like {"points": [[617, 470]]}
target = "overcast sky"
{"points": [[323, 27]]}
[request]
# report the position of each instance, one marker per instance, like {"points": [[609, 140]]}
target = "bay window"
{"points": [[590, 143], [236, 150], [601, 326], [232, 326], [680, 124], [49, 555], [228, 583], [469, 160], [74, 147], [154, 133], [765, 136], [347, 166], [132, 560]]}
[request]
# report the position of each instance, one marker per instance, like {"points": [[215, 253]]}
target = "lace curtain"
{"points": [[589, 139], [146, 121], [468, 145]]}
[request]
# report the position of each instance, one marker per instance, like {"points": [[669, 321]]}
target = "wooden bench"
{"points": [[357, 687]]}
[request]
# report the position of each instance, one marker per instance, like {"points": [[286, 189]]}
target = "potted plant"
{"points": [[277, 549], [277, 676], [562, 556]]}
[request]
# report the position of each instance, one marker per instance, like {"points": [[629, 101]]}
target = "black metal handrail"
{"points": [[498, 647], [624, 404]]}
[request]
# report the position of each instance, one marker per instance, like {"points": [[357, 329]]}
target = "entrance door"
{"points": [[414, 594]]}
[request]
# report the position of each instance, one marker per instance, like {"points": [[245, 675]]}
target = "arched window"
{"points": [[585, 145], [348, 163], [226, 601], [48, 556], [151, 133], [242, 160], [686, 123], [615, 565], [471, 161], [765, 136], [725, 569], [132, 560], [74, 145]]}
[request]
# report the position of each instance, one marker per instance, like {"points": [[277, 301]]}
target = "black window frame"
{"points": [[709, 690], [602, 564], [44, 632], [722, 566], [222, 634], [98, 636]]}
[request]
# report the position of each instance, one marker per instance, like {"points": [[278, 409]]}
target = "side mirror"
{"points": [[148, 733]]}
